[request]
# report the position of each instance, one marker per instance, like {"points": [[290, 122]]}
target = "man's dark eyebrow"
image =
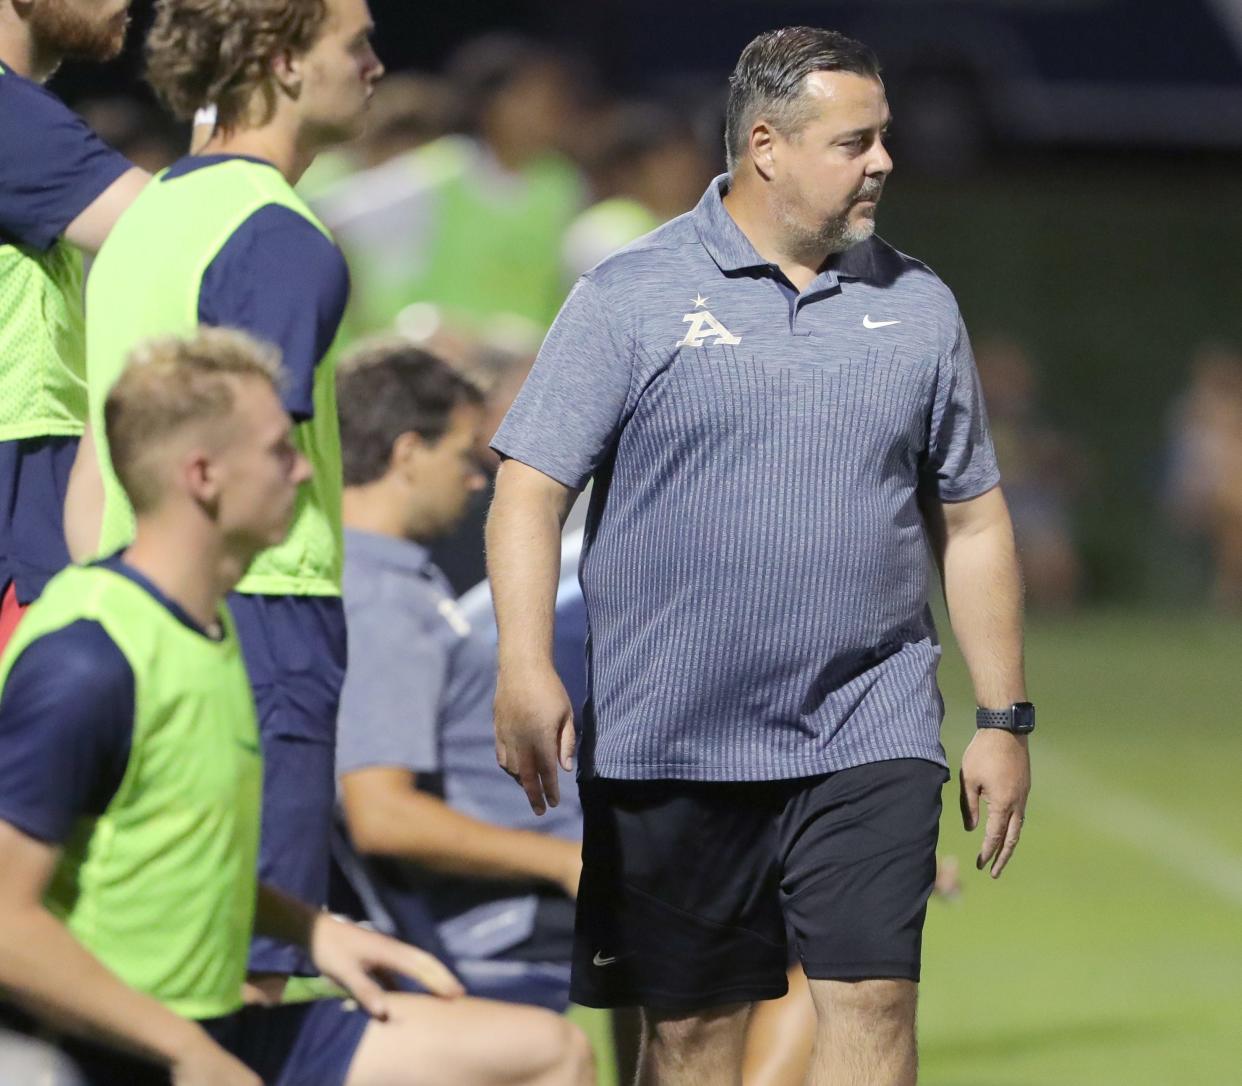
{"points": [[867, 130]]}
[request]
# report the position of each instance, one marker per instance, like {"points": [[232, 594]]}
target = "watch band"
{"points": [[1018, 718]]}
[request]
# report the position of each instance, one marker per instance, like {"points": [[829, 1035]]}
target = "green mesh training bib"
{"points": [[161, 887], [42, 345], [146, 282], [493, 251]]}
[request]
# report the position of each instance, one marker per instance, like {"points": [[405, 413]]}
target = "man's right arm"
{"points": [[59, 179], [90, 228], [388, 816], [534, 717], [560, 429], [44, 968], [66, 725]]}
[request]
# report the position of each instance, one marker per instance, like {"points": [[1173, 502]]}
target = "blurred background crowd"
{"points": [[1076, 199]]}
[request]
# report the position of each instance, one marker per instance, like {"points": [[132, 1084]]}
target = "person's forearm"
{"points": [[983, 590], [279, 916], [425, 830], [523, 565], [84, 501], [54, 977]]}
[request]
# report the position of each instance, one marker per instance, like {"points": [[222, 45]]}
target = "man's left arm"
{"points": [[974, 546], [348, 954]]}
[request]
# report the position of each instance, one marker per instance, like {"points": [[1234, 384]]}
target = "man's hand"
{"points": [[350, 955], [534, 721], [205, 1063], [996, 768]]}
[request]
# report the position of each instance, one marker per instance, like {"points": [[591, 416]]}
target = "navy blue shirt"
{"points": [[52, 166], [282, 280], [67, 722], [755, 564]]}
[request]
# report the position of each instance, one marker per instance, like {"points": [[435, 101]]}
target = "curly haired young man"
{"points": [[221, 238]]}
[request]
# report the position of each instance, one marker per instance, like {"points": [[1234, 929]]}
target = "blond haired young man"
{"points": [[221, 239], [130, 779]]}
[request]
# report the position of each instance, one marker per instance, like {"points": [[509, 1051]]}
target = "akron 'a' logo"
{"points": [[703, 326]]}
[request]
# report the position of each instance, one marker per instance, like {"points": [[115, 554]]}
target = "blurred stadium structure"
{"points": [[1088, 72], [968, 73]]}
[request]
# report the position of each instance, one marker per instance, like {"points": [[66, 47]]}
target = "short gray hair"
{"points": [[770, 79]]}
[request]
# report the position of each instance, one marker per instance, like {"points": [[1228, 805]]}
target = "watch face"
{"points": [[1023, 716]]}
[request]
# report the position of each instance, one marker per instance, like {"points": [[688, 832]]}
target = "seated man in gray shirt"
{"points": [[439, 836]]}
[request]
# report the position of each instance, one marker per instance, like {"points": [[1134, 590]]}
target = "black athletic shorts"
{"points": [[687, 886]]}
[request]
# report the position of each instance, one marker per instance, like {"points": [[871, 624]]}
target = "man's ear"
{"points": [[406, 452], [287, 71], [762, 147], [200, 477]]}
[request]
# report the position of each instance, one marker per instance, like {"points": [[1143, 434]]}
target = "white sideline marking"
{"points": [[1175, 844]]}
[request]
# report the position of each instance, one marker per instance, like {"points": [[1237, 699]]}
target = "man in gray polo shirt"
{"points": [[781, 414], [442, 841]]}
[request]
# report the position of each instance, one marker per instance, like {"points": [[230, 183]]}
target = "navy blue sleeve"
{"points": [[52, 166], [282, 280], [66, 725]]}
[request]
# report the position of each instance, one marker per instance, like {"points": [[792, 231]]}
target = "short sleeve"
{"points": [[567, 415], [280, 278], [52, 166], [66, 726], [961, 462], [389, 713]]}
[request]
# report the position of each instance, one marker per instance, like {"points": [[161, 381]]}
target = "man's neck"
{"points": [[270, 143], [748, 205], [189, 565], [19, 51], [373, 508]]}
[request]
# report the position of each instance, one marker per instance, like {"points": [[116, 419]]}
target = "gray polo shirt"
{"points": [[418, 695], [755, 566]]}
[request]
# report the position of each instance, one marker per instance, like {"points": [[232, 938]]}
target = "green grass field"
{"points": [[1110, 953]]}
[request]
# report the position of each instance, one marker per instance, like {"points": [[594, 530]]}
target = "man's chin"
{"points": [[859, 230], [98, 50]]}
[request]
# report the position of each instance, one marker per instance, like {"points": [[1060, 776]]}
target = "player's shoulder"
{"points": [[34, 121], [19, 97], [77, 658], [890, 267], [293, 240]]}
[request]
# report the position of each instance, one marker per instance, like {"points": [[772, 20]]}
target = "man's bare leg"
{"points": [[682, 1049], [471, 1042], [866, 1033], [781, 1036]]}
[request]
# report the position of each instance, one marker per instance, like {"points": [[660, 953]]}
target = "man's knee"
{"points": [[874, 1002], [562, 1054], [689, 1033]]}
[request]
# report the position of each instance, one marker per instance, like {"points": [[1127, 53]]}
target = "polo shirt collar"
{"points": [[733, 252], [401, 554]]}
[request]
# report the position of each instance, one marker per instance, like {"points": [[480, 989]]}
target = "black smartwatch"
{"points": [[1018, 718]]}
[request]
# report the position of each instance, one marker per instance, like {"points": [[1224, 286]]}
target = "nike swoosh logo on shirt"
{"points": [[599, 959], [869, 323]]}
